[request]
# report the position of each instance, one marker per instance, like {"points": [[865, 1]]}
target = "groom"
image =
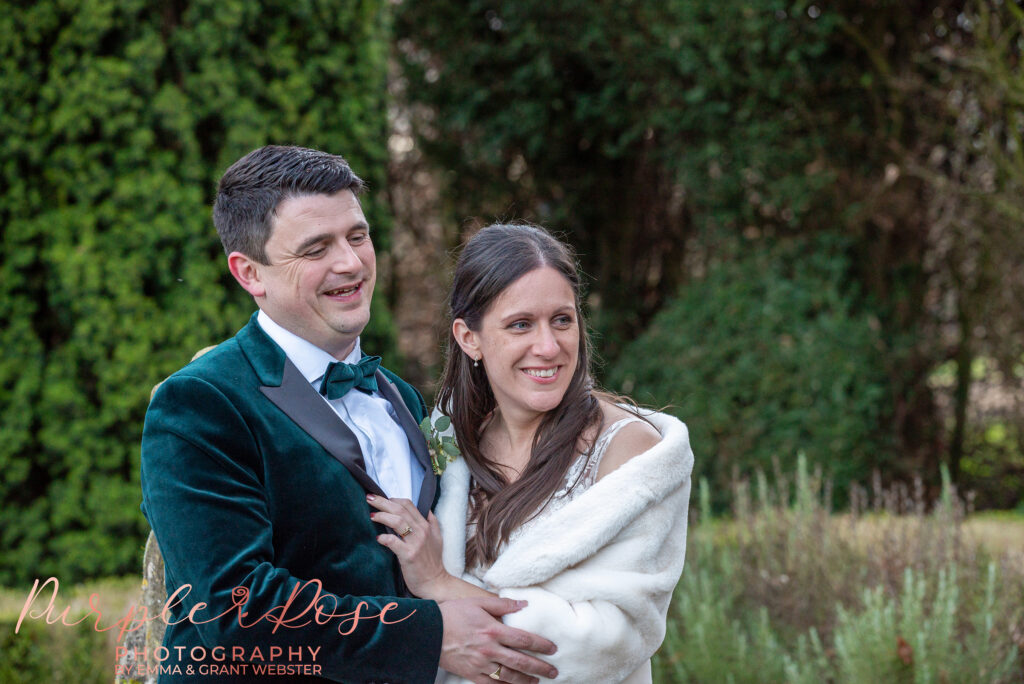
{"points": [[257, 459]]}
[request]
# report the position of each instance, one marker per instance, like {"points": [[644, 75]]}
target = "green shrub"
{"points": [[914, 638], [55, 654], [117, 120], [771, 354], [993, 464], [631, 127], [788, 592]]}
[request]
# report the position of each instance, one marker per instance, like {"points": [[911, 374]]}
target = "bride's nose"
{"points": [[546, 344]]}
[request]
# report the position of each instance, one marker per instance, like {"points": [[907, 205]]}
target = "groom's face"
{"points": [[322, 270]]}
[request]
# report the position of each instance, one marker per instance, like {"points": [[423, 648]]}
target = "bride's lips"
{"points": [[345, 293], [541, 375]]}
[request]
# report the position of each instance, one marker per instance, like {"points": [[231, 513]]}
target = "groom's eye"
{"points": [[519, 325], [315, 252]]}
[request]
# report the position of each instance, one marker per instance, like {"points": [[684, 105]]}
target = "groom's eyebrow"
{"points": [[309, 242]]}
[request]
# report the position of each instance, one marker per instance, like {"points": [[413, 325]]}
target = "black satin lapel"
{"points": [[428, 490], [416, 441], [297, 398]]}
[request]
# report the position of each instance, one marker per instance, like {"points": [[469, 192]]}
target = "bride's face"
{"points": [[529, 341]]}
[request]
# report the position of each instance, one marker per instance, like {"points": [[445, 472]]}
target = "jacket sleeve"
{"points": [[607, 613], [205, 497]]}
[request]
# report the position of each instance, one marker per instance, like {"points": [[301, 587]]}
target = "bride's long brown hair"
{"points": [[492, 260]]}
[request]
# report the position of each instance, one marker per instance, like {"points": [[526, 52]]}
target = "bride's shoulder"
{"points": [[631, 439]]}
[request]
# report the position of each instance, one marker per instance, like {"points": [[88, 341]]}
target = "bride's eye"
{"points": [[563, 321]]}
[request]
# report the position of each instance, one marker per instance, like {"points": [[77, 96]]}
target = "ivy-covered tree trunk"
{"points": [[117, 120]]}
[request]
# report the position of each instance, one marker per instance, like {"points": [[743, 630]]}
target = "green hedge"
{"points": [[55, 654], [117, 120], [771, 354]]}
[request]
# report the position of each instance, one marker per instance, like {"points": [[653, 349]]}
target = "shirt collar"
{"points": [[310, 359]]}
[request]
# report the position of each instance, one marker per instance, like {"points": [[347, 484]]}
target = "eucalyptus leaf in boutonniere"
{"points": [[443, 448]]}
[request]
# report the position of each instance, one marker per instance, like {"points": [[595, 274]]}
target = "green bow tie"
{"points": [[340, 377]]}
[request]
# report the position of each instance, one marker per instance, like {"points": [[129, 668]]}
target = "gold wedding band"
{"points": [[496, 674], [406, 531]]}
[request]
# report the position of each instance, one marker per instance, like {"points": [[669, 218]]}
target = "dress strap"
{"points": [[589, 476]]}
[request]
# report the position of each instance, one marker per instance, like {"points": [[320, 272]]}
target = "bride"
{"points": [[565, 497]]}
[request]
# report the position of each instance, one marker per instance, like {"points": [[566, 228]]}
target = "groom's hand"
{"points": [[476, 642]]}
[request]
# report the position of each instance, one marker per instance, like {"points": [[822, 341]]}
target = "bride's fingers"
{"points": [[399, 507], [405, 550], [382, 503], [395, 522], [394, 543], [409, 507]]}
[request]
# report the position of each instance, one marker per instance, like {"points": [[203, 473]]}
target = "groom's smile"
{"points": [[344, 293]]}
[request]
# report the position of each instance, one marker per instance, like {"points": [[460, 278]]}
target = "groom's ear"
{"points": [[247, 272], [466, 338]]}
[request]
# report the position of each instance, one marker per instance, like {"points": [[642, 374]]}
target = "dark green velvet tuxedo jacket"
{"points": [[249, 479]]}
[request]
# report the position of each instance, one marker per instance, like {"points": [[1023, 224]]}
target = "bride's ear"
{"points": [[466, 339]]}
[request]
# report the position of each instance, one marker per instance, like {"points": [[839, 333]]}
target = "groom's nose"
{"points": [[344, 258]]}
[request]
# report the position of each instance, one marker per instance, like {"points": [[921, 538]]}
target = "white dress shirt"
{"points": [[386, 451]]}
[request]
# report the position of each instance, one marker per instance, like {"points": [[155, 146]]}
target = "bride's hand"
{"points": [[417, 543]]}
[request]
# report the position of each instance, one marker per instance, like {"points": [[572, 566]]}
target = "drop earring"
{"points": [[476, 363]]}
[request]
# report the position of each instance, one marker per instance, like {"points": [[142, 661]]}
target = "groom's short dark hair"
{"points": [[252, 188]]}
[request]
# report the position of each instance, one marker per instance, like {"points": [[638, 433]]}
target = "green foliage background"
{"points": [[641, 130], [117, 119], [43, 653], [658, 136], [767, 357], [798, 219]]}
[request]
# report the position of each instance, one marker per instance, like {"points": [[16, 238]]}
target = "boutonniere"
{"points": [[443, 448]]}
